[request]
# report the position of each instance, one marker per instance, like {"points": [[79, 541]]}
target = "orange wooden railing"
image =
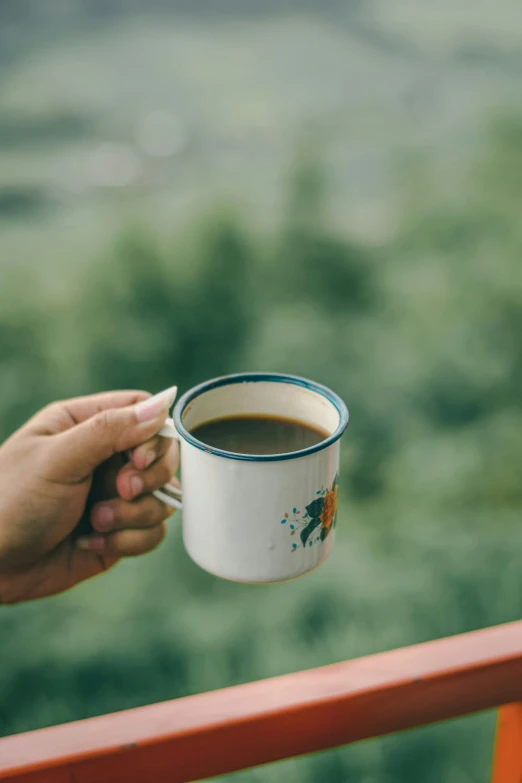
{"points": [[507, 766], [214, 733]]}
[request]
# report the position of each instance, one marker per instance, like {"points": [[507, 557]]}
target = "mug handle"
{"points": [[169, 494]]}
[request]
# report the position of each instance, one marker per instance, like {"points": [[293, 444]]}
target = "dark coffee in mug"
{"points": [[258, 435]]}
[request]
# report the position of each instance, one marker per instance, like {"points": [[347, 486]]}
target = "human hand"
{"points": [[71, 505]]}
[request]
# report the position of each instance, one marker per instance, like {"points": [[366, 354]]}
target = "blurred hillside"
{"points": [[110, 113], [183, 196]]}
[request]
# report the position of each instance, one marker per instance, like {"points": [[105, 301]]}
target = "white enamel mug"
{"points": [[258, 518]]}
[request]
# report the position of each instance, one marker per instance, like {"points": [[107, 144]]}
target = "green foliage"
{"points": [[23, 377], [150, 328], [22, 202], [421, 337], [29, 131]]}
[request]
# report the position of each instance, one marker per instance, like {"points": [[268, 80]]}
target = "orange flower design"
{"points": [[329, 508], [319, 518]]}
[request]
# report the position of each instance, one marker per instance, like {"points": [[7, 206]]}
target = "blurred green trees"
{"points": [[420, 336], [151, 328]]}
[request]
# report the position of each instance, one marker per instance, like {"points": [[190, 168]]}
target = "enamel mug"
{"points": [[258, 518]]}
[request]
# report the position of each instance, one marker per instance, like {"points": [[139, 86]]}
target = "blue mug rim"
{"points": [[253, 377]]}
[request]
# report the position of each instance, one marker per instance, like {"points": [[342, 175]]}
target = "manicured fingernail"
{"points": [[136, 485], [103, 517], [155, 406], [94, 543], [150, 456]]}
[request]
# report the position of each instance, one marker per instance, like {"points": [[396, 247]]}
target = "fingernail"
{"points": [[136, 485], [150, 456], [104, 517], [154, 406], [93, 543]]}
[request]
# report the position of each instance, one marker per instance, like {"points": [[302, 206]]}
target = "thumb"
{"points": [[78, 451]]}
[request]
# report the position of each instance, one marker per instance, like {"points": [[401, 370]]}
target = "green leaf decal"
{"points": [[307, 531], [315, 509]]}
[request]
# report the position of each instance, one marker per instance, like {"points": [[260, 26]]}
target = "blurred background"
{"points": [[331, 188]]}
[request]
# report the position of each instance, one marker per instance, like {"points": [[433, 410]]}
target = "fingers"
{"points": [[146, 453], [82, 408], [126, 529], [132, 483], [125, 543], [75, 453], [118, 514], [60, 416]]}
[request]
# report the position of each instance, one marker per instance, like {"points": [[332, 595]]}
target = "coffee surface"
{"points": [[258, 435]]}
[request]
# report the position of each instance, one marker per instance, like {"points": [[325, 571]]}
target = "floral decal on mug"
{"points": [[319, 519]]}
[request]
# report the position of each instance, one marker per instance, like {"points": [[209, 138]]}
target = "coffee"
{"points": [[258, 435]]}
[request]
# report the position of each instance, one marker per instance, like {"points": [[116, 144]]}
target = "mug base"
{"points": [[270, 581]]}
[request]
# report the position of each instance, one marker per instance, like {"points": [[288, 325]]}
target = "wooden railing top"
{"points": [[222, 731]]}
